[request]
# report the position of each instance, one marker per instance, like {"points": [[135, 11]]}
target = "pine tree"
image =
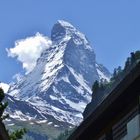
{"points": [[3, 132], [133, 59], [119, 70], [137, 55], [102, 84], [17, 134], [127, 65], [95, 86], [114, 76]]}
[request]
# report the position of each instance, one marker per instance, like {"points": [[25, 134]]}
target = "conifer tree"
{"points": [[114, 76], [119, 73], [2, 105], [137, 55], [3, 132], [133, 59], [127, 64], [95, 86]]}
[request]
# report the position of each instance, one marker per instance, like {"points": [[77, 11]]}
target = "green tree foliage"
{"points": [[95, 86], [137, 55], [127, 64], [114, 74], [102, 84], [3, 105], [18, 134], [99, 87], [133, 58], [118, 73], [131, 61], [3, 132], [102, 87]]}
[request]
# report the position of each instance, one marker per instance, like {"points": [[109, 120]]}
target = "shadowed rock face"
{"points": [[58, 32], [59, 87]]}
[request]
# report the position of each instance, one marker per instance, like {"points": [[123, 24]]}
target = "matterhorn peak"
{"points": [[59, 87], [65, 23], [65, 31], [61, 29]]}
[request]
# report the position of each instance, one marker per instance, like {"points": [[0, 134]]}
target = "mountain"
{"points": [[59, 87]]}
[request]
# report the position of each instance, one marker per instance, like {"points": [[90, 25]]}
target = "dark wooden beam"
{"points": [[123, 97]]}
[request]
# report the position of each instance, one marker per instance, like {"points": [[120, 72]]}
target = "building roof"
{"points": [[119, 98]]}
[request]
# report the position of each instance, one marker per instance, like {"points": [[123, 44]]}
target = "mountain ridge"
{"points": [[59, 87]]}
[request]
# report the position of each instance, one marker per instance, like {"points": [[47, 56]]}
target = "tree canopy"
{"points": [[4, 135]]}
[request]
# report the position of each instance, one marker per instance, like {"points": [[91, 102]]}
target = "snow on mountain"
{"points": [[103, 72], [59, 87], [4, 86]]}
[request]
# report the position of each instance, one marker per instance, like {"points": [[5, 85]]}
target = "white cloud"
{"points": [[5, 87], [28, 50]]}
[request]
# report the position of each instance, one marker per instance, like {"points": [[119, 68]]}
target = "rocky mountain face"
{"points": [[59, 87]]}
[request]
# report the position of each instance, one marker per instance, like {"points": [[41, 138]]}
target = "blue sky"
{"points": [[112, 27]]}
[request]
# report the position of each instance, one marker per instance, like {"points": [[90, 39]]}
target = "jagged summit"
{"points": [[60, 30], [59, 87], [65, 24], [63, 30]]}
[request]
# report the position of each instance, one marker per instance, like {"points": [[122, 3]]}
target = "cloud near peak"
{"points": [[28, 50], [4, 86]]}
